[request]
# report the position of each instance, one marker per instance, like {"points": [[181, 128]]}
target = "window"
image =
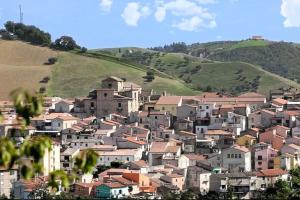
{"points": [[240, 156], [259, 157], [77, 137], [207, 107], [127, 158], [202, 130], [163, 108], [228, 155], [109, 85], [105, 94], [58, 124], [119, 105], [92, 104], [235, 155], [69, 136], [86, 145], [259, 163], [155, 117], [232, 155], [11, 172], [200, 107], [120, 191]]}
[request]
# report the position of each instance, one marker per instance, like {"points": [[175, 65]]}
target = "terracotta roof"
{"points": [[169, 100], [158, 147], [249, 136], [279, 101], [67, 118], [123, 180], [241, 148], [140, 163], [118, 152], [195, 156], [217, 132], [172, 149], [271, 172], [252, 94], [51, 116], [114, 185], [129, 139], [292, 112]]}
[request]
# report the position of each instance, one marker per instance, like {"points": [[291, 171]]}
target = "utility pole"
{"points": [[21, 13]]}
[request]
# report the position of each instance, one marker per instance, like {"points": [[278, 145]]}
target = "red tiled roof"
{"points": [[271, 172], [169, 100], [279, 101]]}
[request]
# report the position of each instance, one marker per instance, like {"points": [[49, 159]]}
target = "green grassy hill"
{"points": [[202, 74], [22, 65]]}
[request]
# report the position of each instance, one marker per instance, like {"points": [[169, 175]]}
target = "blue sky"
{"points": [[147, 23]]}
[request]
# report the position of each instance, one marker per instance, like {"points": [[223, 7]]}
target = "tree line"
{"points": [[36, 36]]}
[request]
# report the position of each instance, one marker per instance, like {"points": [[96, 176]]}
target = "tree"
{"points": [[65, 43], [295, 173], [28, 33], [34, 148], [83, 50], [52, 60], [149, 76]]}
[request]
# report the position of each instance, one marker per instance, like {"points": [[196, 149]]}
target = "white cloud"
{"points": [[290, 10], [133, 12], [192, 16], [105, 5], [206, 1], [160, 14]]}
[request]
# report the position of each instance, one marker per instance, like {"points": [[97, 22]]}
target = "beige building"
{"points": [[117, 96], [168, 104]]}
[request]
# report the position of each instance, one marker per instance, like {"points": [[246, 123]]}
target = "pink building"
{"points": [[264, 159]]}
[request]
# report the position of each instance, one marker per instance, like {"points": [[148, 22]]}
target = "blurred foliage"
{"points": [[29, 155], [26, 105], [86, 161]]}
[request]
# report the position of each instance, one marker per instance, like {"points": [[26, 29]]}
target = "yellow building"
{"points": [[246, 140], [277, 162], [168, 104]]}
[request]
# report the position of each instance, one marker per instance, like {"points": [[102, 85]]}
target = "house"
{"points": [[67, 159], [187, 111], [266, 117], [85, 189], [8, 177], [169, 104], [270, 176], [143, 181], [111, 190], [242, 184], [254, 119], [246, 140], [140, 165], [187, 160], [64, 106], [120, 155], [236, 123], [163, 153], [198, 178], [176, 180], [115, 97], [264, 159], [236, 159]]}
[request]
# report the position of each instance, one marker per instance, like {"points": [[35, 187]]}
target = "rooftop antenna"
{"points": [[21, 13]]}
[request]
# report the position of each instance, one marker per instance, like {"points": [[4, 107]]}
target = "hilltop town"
{"points": [[150, 145]]}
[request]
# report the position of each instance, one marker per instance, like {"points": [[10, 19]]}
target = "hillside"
{"points": [[203, 74], [22, 65]]}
